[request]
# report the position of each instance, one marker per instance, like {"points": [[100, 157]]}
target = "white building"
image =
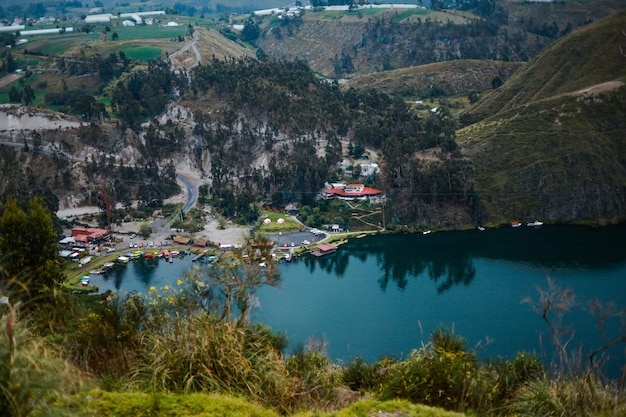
{"points": [[369, 169], [46, 31], [12, 28], [99, 18]]}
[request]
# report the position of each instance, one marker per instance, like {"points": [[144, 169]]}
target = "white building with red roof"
{"points": [[343, 191]]}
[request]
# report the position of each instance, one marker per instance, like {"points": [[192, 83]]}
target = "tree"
{"points": [[32, 269], [145, 230], [29, 95], [107, 204], [234, 281], [115, 36], [14, 95]]}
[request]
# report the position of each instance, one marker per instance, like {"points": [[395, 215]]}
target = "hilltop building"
{"points": [[344, 191]]}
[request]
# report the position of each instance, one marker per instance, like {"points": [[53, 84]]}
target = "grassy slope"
{"points": [[546, 149], [589, 56], [198, 405], [212, 43]]}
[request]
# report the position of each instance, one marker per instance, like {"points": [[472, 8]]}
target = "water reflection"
{"points": [[448, 258], [401, 258]]}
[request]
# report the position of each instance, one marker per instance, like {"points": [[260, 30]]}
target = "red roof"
{"points": [[364, 192], [91, 232], [325, 247]]}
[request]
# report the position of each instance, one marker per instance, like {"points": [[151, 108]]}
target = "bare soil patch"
{"points": [[599, 88], [8, 79]]}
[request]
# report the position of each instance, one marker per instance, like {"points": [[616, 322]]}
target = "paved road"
{"points": [[162, 226], [192, 191]]}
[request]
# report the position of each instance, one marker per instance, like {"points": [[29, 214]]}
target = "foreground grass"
{"points": [[100, 403]]}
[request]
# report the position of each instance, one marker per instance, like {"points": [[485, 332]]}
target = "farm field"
{"points": [[38, 56]]}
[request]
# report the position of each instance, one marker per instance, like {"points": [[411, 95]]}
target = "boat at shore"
{"points": [[97, 271], [516, 224], [535, 224]]}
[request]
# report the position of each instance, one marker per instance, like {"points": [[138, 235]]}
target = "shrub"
{"points": [[498, 380], [438, 374], [316, 374]]}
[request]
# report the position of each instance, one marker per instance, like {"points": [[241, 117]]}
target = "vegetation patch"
{"points": [[278, 222], [101, 403], [143, 53]]}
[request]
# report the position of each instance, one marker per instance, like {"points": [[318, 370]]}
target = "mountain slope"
{"points": [[552, 145], [447, 78]]}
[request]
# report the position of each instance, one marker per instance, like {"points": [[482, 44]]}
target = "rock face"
{"points": [[346, 397], [21, 118]]}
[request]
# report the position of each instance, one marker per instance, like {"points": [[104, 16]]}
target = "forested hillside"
{"points": [[266, 129]]}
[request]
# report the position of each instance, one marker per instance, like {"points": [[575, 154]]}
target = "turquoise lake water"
{"points": [[384, 295]]}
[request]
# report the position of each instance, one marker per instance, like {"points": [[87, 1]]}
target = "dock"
{"points": [[199, 256]]}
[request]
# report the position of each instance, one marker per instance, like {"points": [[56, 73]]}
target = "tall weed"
{"points": [[34, 379], [569, 397]]}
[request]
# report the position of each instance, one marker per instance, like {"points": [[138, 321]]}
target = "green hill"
{"points": [[550, 144]]}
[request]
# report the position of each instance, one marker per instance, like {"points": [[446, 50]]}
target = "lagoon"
{"points": [[384, 295]]}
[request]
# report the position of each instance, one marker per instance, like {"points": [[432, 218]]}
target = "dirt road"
{"points": [[8, 79]]}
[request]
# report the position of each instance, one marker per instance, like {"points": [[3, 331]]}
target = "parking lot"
{"points": [[297, 238]]}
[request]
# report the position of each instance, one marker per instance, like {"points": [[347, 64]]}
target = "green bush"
{"points": [[498, 380], [438, 374], [359, 375]]}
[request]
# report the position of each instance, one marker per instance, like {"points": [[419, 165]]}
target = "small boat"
{"points": [[84, 281], [427, 232], [175, 253], [97, 271], [535, 224], [288, 257], [123, 259], [108, 265], [149, 255], [482, 229], [515, 224]]}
